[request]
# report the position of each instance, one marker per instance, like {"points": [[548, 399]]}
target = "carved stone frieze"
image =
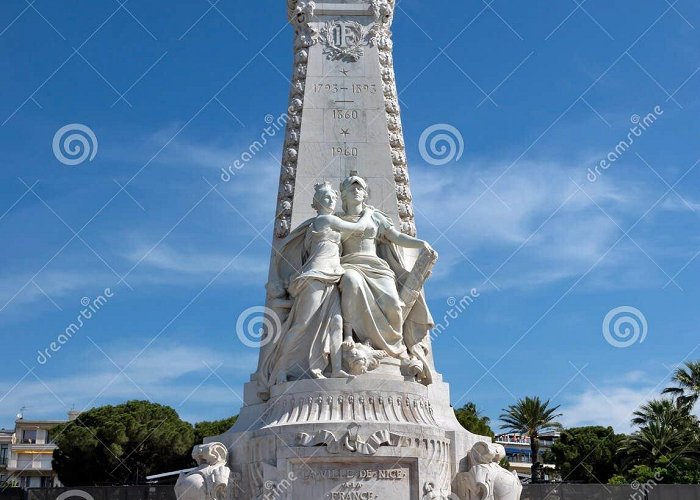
{"points": [[364, 406], [352, 441]]}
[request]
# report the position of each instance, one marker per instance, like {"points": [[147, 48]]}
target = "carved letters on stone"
{"points": [[345, 40]]}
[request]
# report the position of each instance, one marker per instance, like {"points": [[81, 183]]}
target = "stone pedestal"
{"points": [[373, 436]]}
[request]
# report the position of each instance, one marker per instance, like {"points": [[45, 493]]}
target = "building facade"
{"points": [[519, 454], [26, 453], [6, 436]]}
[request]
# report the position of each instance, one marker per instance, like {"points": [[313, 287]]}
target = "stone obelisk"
{"points": [[387, 431], [344, 110]]}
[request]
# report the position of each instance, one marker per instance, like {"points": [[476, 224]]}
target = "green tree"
{"points": [[658, 410], [212, 428], [687, 380], [531, 417], [586, 454], [667, 430], [666, 445], [121, 444], [471, 419], [666, 472]]}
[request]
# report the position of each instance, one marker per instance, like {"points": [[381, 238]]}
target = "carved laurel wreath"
{"points": [[361, 35]]}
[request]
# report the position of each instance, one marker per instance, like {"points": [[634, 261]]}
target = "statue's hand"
{"points": [[427, 247]]}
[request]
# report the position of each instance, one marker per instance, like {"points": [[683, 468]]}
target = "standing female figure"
{"points": [[311, 336]]}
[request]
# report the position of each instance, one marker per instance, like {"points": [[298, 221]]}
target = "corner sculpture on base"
{"points": [[346, 402], [485, 479], [211, 479]]}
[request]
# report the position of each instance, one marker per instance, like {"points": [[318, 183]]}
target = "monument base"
{"points": [[368, 437]]}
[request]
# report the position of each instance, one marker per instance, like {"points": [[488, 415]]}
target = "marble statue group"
{"points": [[344, 295]]}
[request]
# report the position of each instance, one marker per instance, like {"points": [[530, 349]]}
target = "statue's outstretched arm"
{"points": [[404, 240]]}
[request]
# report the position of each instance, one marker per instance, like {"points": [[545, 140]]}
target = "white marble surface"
{"points": [[381, 434]]}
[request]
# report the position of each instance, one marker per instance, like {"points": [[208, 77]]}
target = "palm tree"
{"points": [[531, 417], [657, 440], [687, 389], [666, 429], [660, 410]]}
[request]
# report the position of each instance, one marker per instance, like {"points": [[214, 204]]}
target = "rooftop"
{"points": [[39, 422]]}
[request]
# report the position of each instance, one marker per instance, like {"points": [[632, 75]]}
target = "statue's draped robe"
{"points": [[310, 262], [304, 342], [377, 314]]}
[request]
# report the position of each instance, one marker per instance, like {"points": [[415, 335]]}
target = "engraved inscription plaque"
{"points": [[376, 479]]}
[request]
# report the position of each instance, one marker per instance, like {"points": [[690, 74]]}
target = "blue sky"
{"points": [[176, 91]]}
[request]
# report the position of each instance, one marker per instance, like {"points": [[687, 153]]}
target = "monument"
{"points": [[346, 402]]}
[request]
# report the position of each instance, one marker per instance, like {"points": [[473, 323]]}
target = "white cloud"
{"points": [[20, 289], [612, 406], [192, 262], [564, 224], [179, 375]]}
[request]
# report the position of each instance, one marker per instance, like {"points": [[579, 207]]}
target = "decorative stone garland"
{"points": [[299, 12]]}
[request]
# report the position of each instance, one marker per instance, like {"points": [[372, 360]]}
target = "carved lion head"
{"points": [[210, 454]]}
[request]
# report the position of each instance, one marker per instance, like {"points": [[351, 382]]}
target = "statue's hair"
{"points": [[319, 185], [318, 188]]}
